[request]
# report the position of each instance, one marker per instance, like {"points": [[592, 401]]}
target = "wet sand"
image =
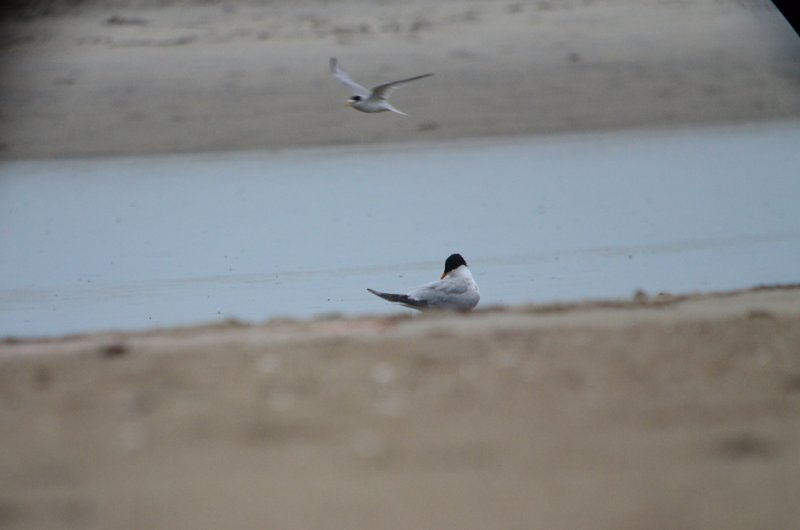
{"points": [[656, 412]]}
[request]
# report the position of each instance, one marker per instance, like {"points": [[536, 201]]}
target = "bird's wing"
{"points": [[400, 299], [384, 91], [344, 79], [439, 290], [450, 293]]}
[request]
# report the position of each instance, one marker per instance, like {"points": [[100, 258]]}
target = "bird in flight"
{"points": [[456, 289], [365, 100]]}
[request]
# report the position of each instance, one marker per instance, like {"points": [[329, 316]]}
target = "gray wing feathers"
{"points": [[344, 79], [400, 299], [383, 91], [444, 287], [447, 293]]}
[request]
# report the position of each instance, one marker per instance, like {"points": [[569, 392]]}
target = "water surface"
{"points": [[130, 243]]}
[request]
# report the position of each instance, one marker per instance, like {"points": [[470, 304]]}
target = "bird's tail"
{"points": [[390, 107], [399, 299]]}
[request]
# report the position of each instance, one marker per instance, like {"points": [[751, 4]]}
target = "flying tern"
{"points": [[456, 289], [365, 100]]}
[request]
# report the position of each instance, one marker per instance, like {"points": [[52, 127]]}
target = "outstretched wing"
{"points": [[384, 91], [400, 299], [344, 79]]}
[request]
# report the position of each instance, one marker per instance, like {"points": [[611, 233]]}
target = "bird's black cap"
{"points": [[453, 262]]}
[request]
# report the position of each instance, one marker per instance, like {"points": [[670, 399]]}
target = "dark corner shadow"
{"points": [[790, 10]]}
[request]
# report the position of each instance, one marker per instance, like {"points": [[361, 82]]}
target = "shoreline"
{"points": [[315, 327], [416, 143]]}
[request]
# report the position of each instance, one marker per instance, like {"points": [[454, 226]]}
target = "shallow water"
{"points": [[130, 243]]}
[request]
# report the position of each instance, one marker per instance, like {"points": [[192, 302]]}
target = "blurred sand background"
{"points": [[662, 411], [138, 77]]}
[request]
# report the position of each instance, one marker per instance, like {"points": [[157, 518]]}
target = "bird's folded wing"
{"points": [[439, 288]]}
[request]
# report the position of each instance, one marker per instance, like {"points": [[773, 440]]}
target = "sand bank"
{"points": [[651, 413], [137, 77]]}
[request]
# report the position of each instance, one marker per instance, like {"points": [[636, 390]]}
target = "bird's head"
{"points": [[353, 100], [453, 262]]}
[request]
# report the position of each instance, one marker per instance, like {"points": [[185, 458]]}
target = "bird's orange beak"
{"points": [[443, 275]]}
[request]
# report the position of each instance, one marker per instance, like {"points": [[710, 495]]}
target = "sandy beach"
{"points": [[657, 412], [137, 77], [670, 410]]}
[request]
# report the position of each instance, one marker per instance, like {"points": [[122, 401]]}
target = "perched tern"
{"points": [[456, 289], [365, 100]]}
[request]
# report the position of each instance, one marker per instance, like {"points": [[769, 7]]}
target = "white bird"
{"points": [[456, 289], [365, 100]]}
